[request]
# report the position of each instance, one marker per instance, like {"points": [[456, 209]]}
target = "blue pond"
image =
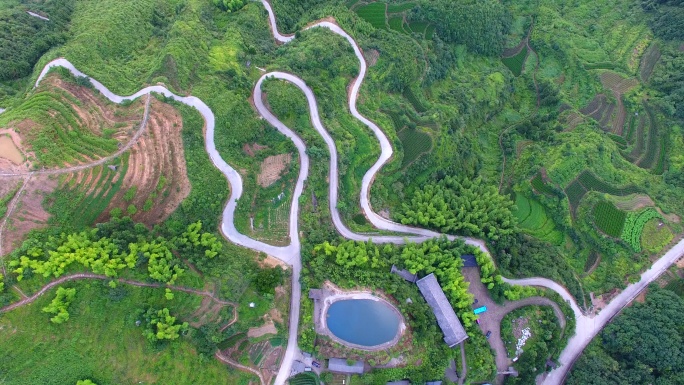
{"points": [[363, 321]]}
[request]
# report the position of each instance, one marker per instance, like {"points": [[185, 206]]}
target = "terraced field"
{"points": [[396, 23], [609, 218], [157, 169], [373, 13], [415, 142], [80, 198], [533, 219], [393, 17], [636, 133], [540, 186], [64, 123]]}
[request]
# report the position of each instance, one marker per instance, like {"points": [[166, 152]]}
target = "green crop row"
{"points": [[609, 218], [515, 63], [634, 226], [575, 191], [592, 182], [539, 185], [415, 102], [649, 158], [415, 144], [373, 13]]}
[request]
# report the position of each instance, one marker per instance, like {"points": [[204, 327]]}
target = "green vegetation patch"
{"points": [[101, 341], [593, 183], [373, 13], [634, 226], [304, 379], [575, 191], [397, 24], [655, 235], [413, 99], [540, 186], [516, 62], [415, 143], [533, 219], [609, 218], [393, 8], [640, 346]]}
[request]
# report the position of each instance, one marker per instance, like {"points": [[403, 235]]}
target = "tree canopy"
{"points": [[481, 26], [161, 325], [644, 345], [461, 205], [59, 305]]}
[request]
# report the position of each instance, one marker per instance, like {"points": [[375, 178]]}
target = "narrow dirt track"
{"points": [[230, 362], [82, 276], [586, 327]]}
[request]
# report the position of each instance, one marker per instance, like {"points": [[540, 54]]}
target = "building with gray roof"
{"points": [[469, 260], [297, 367], [404, 274], [339, 365], [446, 317]]}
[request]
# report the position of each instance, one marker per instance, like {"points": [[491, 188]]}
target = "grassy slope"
{"points": [[91, 344]]}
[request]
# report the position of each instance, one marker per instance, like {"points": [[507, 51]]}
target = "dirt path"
{"points": [[98, 162], [81, 276], [10, 209], [230, 362]]}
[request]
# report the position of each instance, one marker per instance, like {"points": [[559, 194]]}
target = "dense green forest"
{"points": [[553, 130], [643, 345], [25, 38]]}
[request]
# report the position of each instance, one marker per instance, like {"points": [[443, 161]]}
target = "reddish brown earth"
{"points": [[29, 213], [94, 112], [158, 152]]}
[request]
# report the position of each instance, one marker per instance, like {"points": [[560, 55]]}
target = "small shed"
{"points": [[340, 365], [469, 260]]}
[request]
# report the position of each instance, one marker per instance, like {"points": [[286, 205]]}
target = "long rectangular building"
{"points": [[451, 326]]}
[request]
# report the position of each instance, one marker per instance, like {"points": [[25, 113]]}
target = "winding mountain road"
{"points": [[587, 327]]}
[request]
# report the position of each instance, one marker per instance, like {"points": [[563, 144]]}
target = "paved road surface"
{"points": [[291, 254]]}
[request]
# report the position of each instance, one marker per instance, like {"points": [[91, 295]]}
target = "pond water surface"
{"points": [[363, 322]]}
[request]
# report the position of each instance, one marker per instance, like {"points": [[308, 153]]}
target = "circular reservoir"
{"points": [[363, 322]]}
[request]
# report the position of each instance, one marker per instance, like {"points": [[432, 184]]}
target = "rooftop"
{"points": [[469, 260], [340, 365], [404, 274], [446, 317]]}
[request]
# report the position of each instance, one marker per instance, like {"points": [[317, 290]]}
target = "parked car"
{"points": [[479, 310], [316, 364], [489, 334], [478, 321]]}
